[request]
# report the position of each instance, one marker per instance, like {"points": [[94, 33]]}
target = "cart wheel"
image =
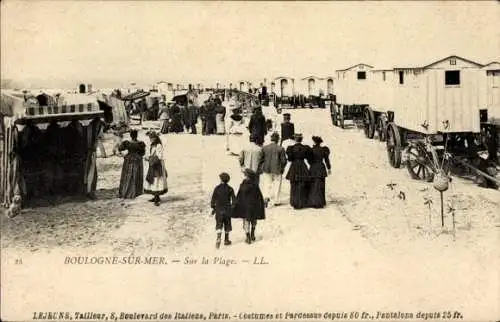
{"points": [[394, 145], [369, 122], [382, 129], [418, 163]]}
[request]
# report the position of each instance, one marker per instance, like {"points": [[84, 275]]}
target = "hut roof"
{"points": [[360, 64], [313, 77], [283, 77]]}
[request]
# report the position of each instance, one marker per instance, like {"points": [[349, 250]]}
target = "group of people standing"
{"points": [[309, 167], [178, 118], [132, 181]]}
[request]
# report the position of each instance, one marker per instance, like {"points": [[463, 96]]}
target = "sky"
{"points": [[89, 41]]}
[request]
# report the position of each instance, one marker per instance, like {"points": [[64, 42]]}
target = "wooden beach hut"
{"points": [[47, 150]]}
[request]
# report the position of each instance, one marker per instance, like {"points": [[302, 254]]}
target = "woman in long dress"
{"points": [[320, 161], [156, 178], [219, 119], [164, 118], [131, 181], [235, 132], [176, 116], [210, 122], [298, 173]]}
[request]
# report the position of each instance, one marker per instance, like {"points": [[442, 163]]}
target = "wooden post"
{"points": [[442, 209]]}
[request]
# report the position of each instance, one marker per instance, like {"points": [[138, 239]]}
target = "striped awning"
{"points": [[18, 109], [49, 110]]}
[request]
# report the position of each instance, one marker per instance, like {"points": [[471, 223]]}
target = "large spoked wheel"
{"points": [[419, 163], [369, 122], [382, 129], [394, 146]]}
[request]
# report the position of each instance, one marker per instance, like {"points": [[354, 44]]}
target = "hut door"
{"points": [[81, 88], [310, 86], [329, 86], [284, 84]]}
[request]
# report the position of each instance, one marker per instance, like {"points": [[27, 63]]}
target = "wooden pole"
{"points": [[479, 171], [442, 209], [453, 216]]}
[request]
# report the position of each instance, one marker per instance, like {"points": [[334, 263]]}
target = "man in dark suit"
{"points": [[287, 128], [274, 162], [257, 126]]}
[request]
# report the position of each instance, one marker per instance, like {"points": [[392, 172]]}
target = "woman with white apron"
{"points": [[235, 134]]}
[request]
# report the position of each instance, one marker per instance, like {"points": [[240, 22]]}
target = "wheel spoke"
{"points": [[413, 154]]}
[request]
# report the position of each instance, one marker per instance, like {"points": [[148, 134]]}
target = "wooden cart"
{"points": [[434, 124]]}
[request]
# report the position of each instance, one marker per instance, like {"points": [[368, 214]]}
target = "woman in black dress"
{"points": [[298, 174], [176, 116], [131, 182], [319, 157]]}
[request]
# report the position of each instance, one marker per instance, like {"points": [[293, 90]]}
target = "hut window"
{"points": [[453, 61], [401, 77], [452, 77], [361, 75], [383, 76], [495, 79]]}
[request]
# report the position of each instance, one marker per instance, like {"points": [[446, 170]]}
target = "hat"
{"points": [[249, 173], [297, 136], [275, 137], [317, 139], [152, 134], [224, 177], [286, 115]]}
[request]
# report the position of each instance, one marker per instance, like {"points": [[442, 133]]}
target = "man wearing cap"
{"points": [[251, 158], [194, 112], [273, 166], [287, 128]]}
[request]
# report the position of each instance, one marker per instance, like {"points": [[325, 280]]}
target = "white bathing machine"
{"points": [[435, 107], [351, 87]]}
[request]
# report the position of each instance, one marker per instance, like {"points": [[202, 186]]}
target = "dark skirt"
{"points": [[298, 171], [131, 181], [210, 125], [317, 193], [176, 125], [299, 192], [164, 127]]}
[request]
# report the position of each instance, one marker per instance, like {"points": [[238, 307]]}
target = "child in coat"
{"points": [[222, 201]]}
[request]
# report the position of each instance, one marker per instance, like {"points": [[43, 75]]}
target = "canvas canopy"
{"points": [[64, 108], [114, 109], [47, 150], [136, 95]]}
